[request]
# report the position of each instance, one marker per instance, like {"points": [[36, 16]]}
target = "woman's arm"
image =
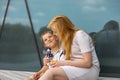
{"points": [[85, 62]]}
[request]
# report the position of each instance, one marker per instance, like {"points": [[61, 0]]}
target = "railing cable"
{"points": [[39, 56], [4, 18]]}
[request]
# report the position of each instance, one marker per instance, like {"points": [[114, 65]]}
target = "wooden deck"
{"points": [[22, 75], [14, 75]]}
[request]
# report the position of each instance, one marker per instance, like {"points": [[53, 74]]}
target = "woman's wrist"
{"points": [[67, 63]]}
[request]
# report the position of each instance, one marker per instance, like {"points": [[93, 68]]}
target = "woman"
{"points": [[81, 61], [51, 41]]}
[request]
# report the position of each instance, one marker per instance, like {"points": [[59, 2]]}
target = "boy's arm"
{"points": [[43, 69]]}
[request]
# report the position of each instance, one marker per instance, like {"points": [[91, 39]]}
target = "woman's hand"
{"points": [[58, 63]]}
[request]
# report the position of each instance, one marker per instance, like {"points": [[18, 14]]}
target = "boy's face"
{"points": [[49, 40]]}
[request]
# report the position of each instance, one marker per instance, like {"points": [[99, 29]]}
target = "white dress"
{"points": [[82, 43]]}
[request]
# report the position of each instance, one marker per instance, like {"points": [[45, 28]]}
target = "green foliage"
{"points": [[17, 42]]}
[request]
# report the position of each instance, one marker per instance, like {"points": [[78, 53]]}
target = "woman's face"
{"points": [[55, 32], [49, 40]]}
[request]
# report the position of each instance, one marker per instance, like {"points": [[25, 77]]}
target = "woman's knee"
{"points": [[50, 72], [53, 71]]}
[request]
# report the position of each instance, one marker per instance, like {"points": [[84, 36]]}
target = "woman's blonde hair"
{"points": [[65, 30]]}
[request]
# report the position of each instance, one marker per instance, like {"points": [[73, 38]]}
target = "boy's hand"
{"points": [[46, 60]]}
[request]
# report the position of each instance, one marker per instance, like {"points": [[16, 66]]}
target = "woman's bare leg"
{"points": [[54, 74]]}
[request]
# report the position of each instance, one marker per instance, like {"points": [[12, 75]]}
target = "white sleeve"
{"points": [[84, 41]]}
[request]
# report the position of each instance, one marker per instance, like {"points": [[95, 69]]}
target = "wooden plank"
{"points": [[22, 75], [14, 75], [108, 78]]}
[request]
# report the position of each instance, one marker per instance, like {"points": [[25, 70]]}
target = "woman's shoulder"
{"points": [[80, 33]]}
